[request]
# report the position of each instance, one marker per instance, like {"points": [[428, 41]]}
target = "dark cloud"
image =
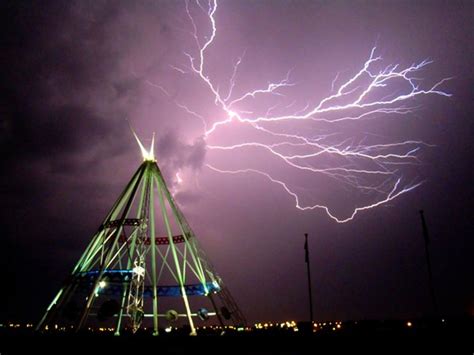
{"points": [[187, 197], [60, 61], [174, 154], [58, 131]]}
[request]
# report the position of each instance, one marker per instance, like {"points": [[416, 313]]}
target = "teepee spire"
{"points": [[143, 263]]}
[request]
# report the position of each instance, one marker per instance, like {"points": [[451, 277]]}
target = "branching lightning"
{"points": [[370, 93]]}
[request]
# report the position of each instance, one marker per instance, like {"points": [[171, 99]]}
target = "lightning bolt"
{"points": [[372, 93]]}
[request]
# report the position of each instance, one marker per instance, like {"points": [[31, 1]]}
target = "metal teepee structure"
{"points": [[143, 262]]}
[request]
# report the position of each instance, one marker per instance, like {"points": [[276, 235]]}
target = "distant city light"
{"points": [[284, 326]]}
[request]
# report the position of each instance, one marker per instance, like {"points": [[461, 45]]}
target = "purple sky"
{"points": [[73, 72]]}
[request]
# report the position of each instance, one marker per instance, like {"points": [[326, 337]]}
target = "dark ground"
{"points": [[454, 336]]}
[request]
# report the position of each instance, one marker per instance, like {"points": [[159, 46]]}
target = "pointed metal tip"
{"points": [[148, 155]]}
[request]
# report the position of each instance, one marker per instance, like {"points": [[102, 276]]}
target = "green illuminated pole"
{"points": [[135, 304], [131, 253], [176, 261], [90, 299], [185, 229], [153, 259]]}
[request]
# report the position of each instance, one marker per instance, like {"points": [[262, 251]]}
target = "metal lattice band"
{"points": [[158, 240], [118, 279]]}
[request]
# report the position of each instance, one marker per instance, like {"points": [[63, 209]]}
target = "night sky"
{"points": [[74, 72]]}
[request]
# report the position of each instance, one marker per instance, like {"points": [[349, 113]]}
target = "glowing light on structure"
{"points": [[148, 155], [140, 271], [371, 93]]}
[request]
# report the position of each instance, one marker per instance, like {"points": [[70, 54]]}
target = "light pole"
{"points": [[428, 262], [306, 255]]}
